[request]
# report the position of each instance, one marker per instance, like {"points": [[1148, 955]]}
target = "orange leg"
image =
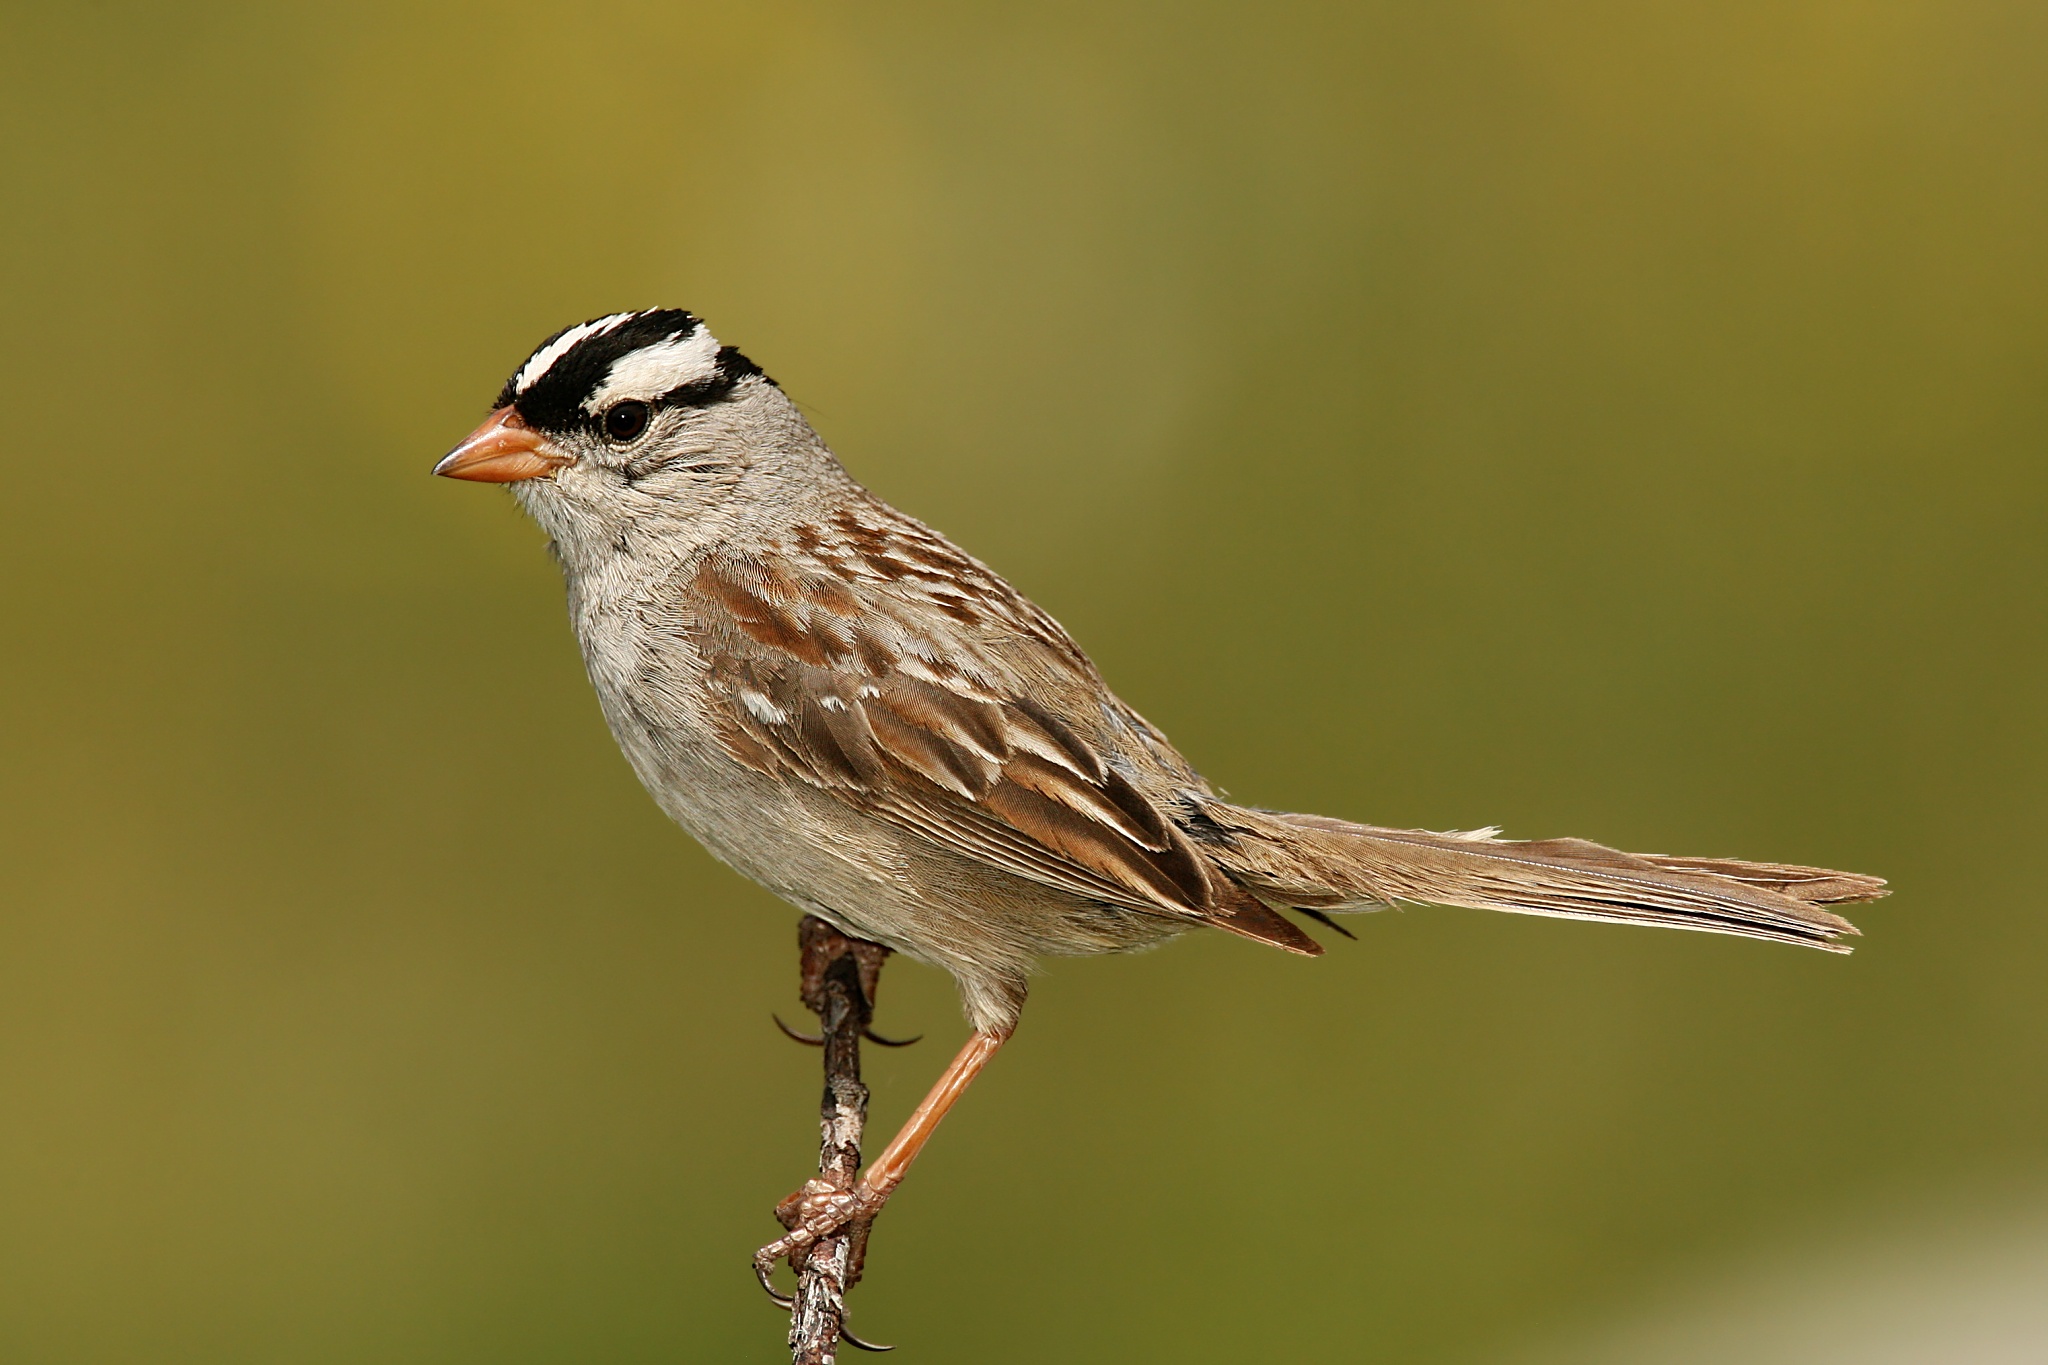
{"points": [[818, 1210], [882, 1178]]}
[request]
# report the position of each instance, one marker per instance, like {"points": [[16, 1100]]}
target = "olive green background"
{"points": [[1605, 419]]}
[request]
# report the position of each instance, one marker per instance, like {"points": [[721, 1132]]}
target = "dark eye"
{"points": [[624, 421]]}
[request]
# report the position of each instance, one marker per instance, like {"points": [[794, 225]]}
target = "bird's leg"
{"points": [[821, 1208]]}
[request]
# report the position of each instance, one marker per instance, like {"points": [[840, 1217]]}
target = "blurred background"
{"points": [[1596, 418]]}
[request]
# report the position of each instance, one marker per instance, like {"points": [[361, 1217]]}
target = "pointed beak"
{"points": [[503, 450]]}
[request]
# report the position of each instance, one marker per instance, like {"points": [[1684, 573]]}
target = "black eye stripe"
{"points": [[698, 393]]}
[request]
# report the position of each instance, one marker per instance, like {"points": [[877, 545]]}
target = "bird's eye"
{"points": [[624, 421]]}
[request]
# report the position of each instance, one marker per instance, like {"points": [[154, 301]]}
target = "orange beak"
{"points": [[503, 450]]}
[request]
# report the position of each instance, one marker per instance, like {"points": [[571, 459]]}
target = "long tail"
{"points": [[1314, 863]]}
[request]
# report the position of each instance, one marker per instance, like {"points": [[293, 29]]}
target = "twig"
{"points": [[840, 975]]}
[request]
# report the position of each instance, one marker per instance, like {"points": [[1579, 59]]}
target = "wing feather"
{"points": [[915, 711]]}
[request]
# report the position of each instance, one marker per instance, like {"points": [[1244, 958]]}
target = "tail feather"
{"points": [[1315, 863]]}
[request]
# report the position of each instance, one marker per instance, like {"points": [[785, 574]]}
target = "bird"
{"points": [[844, 706]]}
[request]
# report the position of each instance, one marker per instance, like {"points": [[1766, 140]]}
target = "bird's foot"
{"points": [[819, 1210]]}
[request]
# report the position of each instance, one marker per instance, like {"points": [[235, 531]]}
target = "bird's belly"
{"points": [[766, 831]]}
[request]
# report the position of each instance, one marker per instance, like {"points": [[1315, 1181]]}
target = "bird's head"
{"points": [[631, 417]]}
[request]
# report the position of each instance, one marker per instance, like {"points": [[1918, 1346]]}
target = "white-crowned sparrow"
{"points": [[845, 707]]}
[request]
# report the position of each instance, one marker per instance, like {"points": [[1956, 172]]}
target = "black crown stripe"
{"points": [[554, 400]]}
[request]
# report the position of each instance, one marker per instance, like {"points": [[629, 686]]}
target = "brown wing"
{"points": [[879, 664]]}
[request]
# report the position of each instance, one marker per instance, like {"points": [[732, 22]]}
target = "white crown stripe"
{"points": [[654, 370], [543, 360]]}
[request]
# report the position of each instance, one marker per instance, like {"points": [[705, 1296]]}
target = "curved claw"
{"points": [[875, 1037], [765, 1274], [818, 1039], [846, 1335], [807, 1039]]}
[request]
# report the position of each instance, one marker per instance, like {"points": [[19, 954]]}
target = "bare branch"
{"points": [[840, 975]]}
